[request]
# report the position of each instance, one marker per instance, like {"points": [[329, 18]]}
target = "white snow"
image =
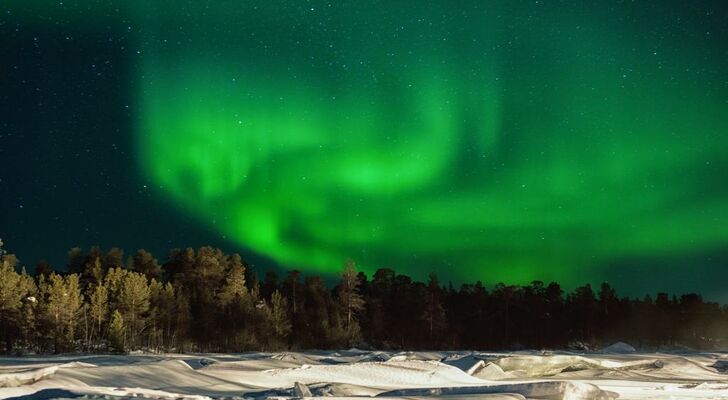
{"points": [[355, 374]]}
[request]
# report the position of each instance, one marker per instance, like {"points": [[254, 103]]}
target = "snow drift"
{"points": [[357, 374]]}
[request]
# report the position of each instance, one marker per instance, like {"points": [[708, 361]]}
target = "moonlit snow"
{"points": [[355, 374]]}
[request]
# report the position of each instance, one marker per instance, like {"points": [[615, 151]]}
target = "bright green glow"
{"points": [[479, 141]]}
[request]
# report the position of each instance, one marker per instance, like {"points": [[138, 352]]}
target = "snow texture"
{"points": [[356, 374]]}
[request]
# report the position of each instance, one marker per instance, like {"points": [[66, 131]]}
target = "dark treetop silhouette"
{"points": [[206, 300]]}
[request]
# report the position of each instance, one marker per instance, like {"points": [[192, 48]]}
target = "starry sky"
{"points": [[494, 140]]}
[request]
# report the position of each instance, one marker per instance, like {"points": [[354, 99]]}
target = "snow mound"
{"points": [[544, 366], [20, 378], [30, 375], [619, 348], [539, 366], [491, 372], [358, 375], [378, 374]]}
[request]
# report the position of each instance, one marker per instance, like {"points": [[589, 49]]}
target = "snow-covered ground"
{"points": [[356, 374]]}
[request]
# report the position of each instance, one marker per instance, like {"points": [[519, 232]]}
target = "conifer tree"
{"points": [[98, 311], [145, 263], [292, 289], [269, 285], [117, 333], [113, 282], [17, 302], [165, 303], [351, 301], [182, 320], [234, 285], [11, 297], [28, 324], [134, 304], [62, 301], [320, 326], [114, 258], [157, 309], [93, 272], [434, 311], [280, 321]]}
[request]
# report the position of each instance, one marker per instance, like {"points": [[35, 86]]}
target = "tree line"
{"points": [[207, 300]]}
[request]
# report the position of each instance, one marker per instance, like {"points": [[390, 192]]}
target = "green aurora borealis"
{"points": [[505, 140]]}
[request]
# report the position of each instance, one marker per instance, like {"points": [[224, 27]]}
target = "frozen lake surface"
{"points": [[357, 374]]}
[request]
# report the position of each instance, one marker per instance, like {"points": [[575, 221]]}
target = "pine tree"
{"points": [[114, 259], [239, 313], [434, 311], [155, 332], [11, 297], [134, 304], [117, 333], [292, 289], [29, 328], [17, 302], [234, 286], [202, 280], [145, 263], [269, 285], [351, 301], [113, 282], [98, 311], [164, 302], [280, 321], [379, 305], [93, 272], [319, 326], [182, 320], [62, 302]]}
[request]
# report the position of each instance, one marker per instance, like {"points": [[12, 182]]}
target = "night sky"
{"points": [[577, 141]]}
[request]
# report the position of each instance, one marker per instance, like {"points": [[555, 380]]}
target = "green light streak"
{"points": [[433, 139]]}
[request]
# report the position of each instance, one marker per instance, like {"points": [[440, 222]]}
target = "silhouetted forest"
{"points": [[206, 300]]}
